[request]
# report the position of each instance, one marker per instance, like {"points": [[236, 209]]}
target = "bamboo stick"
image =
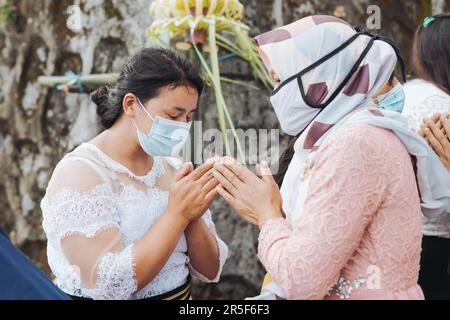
{"points": [[86, 80]]}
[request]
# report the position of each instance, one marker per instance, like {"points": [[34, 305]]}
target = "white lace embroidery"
{"points": [[423, 100], [132, 212], [116, 276], [80, 213], [426, 109], [149, 179]]}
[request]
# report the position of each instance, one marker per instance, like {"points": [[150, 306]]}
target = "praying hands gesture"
{"points": [[256, 198], [436, 131]]}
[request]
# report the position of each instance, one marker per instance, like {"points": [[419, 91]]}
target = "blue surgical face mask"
{"points": [[166, 137], [394, 100]]}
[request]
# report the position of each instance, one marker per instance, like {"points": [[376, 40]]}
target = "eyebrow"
{"points": [[181, 109]]}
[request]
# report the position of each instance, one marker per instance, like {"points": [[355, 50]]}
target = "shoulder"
{"points": [[422, 89], [423, 98], [77, 158], [359, 133], [361, 143], [362, 156], [78, 172]]}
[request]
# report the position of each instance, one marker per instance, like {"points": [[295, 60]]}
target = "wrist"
{"points": [[195, 226], [271, 214], [177, 218]]}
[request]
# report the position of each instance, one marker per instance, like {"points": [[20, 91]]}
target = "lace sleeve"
{"points": [[81, 215], [223, 251], [426, 109], [347, 186]]}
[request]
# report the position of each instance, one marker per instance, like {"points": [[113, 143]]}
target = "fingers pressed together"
{"points": [[436, 131]]}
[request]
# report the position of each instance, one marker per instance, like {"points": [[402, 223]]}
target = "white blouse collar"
{"points": [[149, 179]]}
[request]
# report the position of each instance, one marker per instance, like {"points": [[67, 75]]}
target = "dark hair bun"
{"points": [[101, 98]]}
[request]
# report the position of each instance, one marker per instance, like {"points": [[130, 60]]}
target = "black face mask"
{"points": [[360, 31]]}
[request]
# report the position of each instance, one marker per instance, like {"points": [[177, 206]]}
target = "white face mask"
{"points": [[166, 137], [293, 114]]}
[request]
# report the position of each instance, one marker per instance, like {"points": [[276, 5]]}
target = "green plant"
{"points": [[206, 27], [8, 12]]}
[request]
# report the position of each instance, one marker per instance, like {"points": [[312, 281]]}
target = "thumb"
{"points": [[184, 171], [263, 171]]}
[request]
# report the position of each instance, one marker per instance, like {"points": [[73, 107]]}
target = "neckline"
{"points": [[157, 169]]}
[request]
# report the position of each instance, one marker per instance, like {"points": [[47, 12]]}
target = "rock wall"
{"points": [[38, 125]]}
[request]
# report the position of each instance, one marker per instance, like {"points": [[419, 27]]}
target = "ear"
{"points": [[394, 82], [130, 105]]}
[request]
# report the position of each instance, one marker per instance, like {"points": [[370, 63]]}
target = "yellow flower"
{"points": [[166, 9], [215, 25]]}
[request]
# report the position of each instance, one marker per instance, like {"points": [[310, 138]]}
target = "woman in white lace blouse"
{"points": [[124, 219], [427, 102]]}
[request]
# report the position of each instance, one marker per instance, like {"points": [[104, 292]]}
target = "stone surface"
{"points": [[38, 125]]}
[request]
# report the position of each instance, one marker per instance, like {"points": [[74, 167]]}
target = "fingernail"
{"points": [[228, 159], [213, 159]]}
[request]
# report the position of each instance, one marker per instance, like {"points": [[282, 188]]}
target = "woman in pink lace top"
{"points": [[361, 220], [346, 223]]}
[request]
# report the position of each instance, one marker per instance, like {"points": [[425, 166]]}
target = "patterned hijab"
{"points": [[329, 73], [358, 67]]}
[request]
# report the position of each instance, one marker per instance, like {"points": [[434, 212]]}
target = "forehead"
{"points": [[182, 96]]}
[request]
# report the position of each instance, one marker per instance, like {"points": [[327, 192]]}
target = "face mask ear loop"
{"points": [[355, 67], [145, 110], [134, 122], [344, 82], [317, 63], [391, 42], [400, 58], [135, 125]]}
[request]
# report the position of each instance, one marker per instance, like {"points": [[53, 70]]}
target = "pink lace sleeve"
{"points": [[348, 184]]}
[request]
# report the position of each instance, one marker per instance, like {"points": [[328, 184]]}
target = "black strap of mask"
{"points": [[392, 43], [347, 78], [343, 84], [360, 31], [318, 62]]}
